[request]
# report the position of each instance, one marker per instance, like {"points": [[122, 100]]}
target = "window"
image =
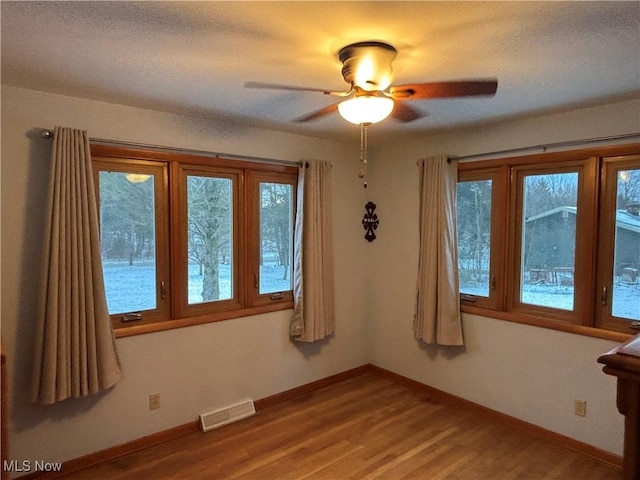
{"points": [[209, 240], [553, 239], [480, 224], [134, 237], [547, 247], [274, 216], [551, 208], [618, 295], [189, 239]]}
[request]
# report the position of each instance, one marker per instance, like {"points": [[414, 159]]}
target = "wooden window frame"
{"points": [[182, 308], [584, 246], [252, 202], [605, 275], [159, 171], [498, 176], [593, 248], [171, 243]]}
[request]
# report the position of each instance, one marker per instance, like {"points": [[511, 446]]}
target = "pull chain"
{"points": [[363, 152]]}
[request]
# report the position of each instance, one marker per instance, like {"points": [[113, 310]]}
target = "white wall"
{"points": [[195, 369], [527, 372]]}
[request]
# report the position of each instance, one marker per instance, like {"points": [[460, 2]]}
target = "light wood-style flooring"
{"points": [[361, 428]]}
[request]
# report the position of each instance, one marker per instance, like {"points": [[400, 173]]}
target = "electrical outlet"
{"points": [[580, 408], [154, 401]]}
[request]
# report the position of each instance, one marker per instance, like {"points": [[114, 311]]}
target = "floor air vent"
{"points": [[225, 415]]}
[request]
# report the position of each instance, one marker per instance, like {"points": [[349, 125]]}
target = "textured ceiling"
{"points": [[194, 57]]}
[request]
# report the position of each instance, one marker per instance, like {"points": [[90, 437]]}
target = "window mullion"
{"points": [[500, 232], [586, 238], [177, 217]]}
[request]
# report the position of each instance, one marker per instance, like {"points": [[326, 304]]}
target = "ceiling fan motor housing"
{"points": [[367, 65]]}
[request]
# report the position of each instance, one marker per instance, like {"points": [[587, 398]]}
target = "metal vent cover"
{"points": [[226, 415]]}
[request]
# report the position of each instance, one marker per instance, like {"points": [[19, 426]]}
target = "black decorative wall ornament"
{"points": [[370, 221]]}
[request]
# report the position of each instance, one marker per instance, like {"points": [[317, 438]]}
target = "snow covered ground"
{"points": [[626, 298], [121, 280]]}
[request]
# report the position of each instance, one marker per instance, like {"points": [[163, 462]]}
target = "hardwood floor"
{"points": [[361, 428]]}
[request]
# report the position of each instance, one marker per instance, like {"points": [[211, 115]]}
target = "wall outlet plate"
{"points": [[580, 408], [154, 401]]}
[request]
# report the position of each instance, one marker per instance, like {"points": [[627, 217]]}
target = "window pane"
{"points": [[474, 236], [128, 240], [549, 240], [626, 285], [210, 243], [276, 233]]}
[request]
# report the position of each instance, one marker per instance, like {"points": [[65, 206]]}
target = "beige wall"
{"points": [[195, 369], [527, 372]]}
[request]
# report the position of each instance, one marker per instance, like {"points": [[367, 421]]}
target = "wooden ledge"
{"points": [[624, 360]]}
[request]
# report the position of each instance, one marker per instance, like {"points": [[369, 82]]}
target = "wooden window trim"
{"points": [[609, 177], [182, 308], [498, 176], [589, 321], [584, 242], [543, 322], [160, 173], [169, 215], [252, 209], [170, 324]]}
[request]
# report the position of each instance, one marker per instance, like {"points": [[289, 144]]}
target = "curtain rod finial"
{"points": [[46, 134]]}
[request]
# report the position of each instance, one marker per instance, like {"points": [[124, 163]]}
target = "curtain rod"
{"points": [[101, 141], [544, 147]]}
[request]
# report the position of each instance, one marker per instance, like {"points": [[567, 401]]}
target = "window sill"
{"points": [[547, 323], [131, 330]]}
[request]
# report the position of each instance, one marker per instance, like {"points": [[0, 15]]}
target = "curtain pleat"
{"points": [[438, 318], [75, 352], [313, 289]]}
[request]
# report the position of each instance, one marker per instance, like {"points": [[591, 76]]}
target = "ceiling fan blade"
{"points": [[277, 86], [318, 113], [461, 88], [404, 113]]}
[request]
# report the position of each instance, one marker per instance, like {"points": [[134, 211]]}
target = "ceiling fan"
{"points": [[366, 67]]}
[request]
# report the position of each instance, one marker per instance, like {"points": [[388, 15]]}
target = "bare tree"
{"points": [[209, 214], [275, 223], [474, 230], [628, 188]]}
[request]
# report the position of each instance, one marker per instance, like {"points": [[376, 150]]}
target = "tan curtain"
{"points": [[313, 316], [438, 317], [75, 349]]}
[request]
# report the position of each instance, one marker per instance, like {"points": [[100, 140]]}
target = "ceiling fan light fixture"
{"points": [[137, 177], [366, 109]]}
